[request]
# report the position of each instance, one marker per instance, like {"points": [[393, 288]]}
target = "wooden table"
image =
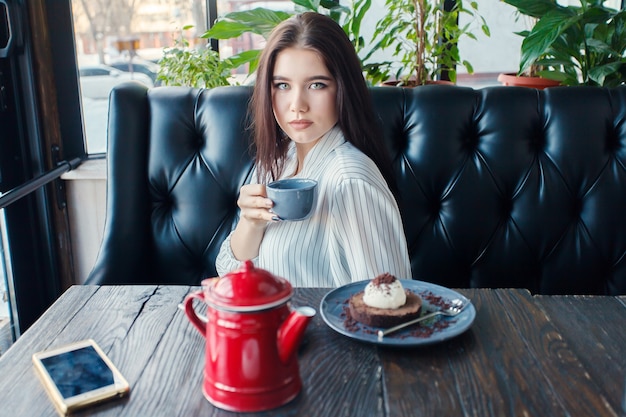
{"points": [[524, 356]]}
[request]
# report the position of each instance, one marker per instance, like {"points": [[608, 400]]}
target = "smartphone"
{"points": [[78, 375]]}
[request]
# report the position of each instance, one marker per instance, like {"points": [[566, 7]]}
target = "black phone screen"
{"points": [[78, 371]]}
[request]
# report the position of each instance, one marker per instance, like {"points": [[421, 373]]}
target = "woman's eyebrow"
{"points": [[313, 78]]}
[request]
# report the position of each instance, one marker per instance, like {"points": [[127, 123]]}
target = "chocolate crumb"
{"points": [[385, 278]]}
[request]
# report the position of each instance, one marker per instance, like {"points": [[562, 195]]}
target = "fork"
{"points": [[456, 307]]}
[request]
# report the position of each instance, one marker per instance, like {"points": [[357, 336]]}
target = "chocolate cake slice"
{"points": [[384, 317]]}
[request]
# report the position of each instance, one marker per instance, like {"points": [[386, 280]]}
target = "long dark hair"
{"points": [[357, 120]]}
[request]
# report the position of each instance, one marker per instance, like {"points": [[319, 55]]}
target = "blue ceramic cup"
{"points": [[294, 198]]}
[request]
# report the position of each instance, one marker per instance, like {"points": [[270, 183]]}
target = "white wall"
{"points": [[501, 51], [86, 203]]}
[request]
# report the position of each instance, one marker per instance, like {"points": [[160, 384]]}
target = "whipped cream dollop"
{"points": [[384, 291]]}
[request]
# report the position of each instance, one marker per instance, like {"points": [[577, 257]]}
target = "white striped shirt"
{"points": [[355, 232]]}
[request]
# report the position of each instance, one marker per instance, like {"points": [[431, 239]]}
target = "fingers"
{"points": [[254, 204], [253, 196], [254, 190]]}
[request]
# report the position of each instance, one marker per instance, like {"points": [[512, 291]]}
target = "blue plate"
{"points": [[334, 304]]}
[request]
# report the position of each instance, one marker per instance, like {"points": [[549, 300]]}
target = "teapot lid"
{"points": [[248, 289]]}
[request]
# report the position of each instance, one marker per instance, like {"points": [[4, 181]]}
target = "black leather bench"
{"points": [[500, 187]]}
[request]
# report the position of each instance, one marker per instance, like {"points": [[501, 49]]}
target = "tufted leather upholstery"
{"points": [[500, 187]]}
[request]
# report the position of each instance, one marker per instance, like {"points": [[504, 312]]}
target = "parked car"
{"points": [[97, 81], [138, 66]]}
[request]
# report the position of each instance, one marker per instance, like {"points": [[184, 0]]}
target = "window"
{"points": [[130, 36], [117, 41]]}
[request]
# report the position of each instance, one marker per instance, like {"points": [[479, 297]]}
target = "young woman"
{"points": [[313, 118]]}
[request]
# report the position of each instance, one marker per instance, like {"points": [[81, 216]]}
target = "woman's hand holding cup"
{"points": [[255, 206]]}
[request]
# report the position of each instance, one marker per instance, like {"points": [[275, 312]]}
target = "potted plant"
{"points": [[529, 77], [423, 36], [193, 67], [574, 45], [261, 21]]}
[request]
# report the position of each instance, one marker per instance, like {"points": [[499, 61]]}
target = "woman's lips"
{"points": [[300, 124]]}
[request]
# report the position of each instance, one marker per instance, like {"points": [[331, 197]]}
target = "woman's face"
{"points": [[303, 96]]}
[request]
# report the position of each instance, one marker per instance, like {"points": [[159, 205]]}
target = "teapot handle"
{"points": [[191, 312]]}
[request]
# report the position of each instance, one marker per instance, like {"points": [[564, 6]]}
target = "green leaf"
{"points": [[223, 29], [600, 47], [245, 57], [553, 75], [258, 17], [543, 35], [355, 26], [329, 4], [599, 73], [533, 8], [260, 21], [308, 4]]}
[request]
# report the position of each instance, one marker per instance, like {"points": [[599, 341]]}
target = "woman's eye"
{"points": [[281, 86], [317, 86]]}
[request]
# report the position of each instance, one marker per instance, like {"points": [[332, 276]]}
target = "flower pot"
{"points": [[532, 82]]}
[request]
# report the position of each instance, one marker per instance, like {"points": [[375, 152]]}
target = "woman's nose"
{"points": [[298, 103]]}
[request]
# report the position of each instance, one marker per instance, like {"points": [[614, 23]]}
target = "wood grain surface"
{"points": [[523, 356]]}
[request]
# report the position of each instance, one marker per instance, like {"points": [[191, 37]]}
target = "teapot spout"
{"points": [[291, 331]]}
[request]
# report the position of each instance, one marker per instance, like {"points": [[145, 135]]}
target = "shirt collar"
{"points": [[317, 155]]}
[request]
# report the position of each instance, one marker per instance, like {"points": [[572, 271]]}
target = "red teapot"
{"points": [[252, 336]]}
